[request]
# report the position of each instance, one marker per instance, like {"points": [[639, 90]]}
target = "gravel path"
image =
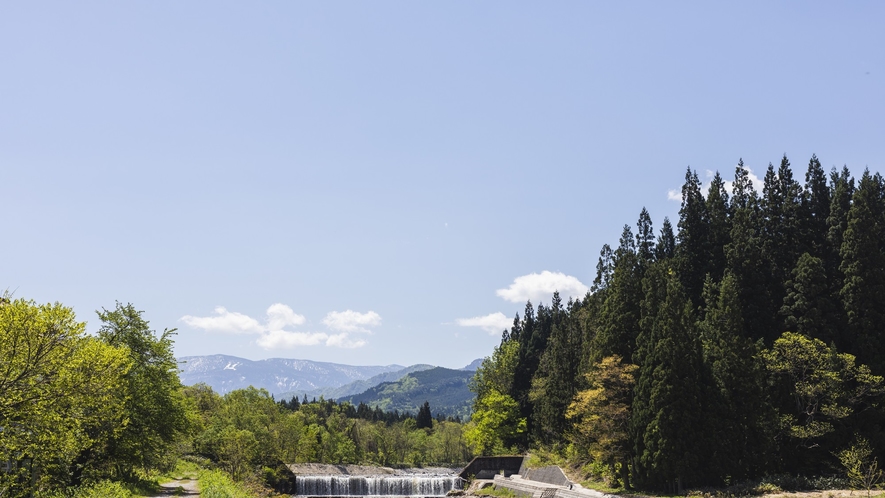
{"points": [[183, 487]]}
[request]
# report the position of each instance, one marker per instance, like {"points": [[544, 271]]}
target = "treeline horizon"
{"points": [[748, 341]]}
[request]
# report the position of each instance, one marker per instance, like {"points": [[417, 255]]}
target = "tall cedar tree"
{"points": [[781, 242], [808, 306], [666, 246], [619, 316], [645, 239], [863, 264], [554, 386], [816, 201], [673, 441], [693, 248], [533, 342], [738, 412], [744, 256], [720, 226], [523, 371], [424, 420], [842, 188]]}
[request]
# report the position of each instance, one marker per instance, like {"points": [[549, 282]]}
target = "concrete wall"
{"points": [[536, 489], [488, 467], [551, 474]]}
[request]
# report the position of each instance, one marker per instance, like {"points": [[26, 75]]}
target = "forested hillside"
{"points": [[445, 389], [747, 340]]}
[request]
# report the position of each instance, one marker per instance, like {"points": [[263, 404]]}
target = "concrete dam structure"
{"points": [[340, 486], [487, 467], [328, 481]]}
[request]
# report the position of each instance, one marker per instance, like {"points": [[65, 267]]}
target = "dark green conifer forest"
{"points": [[748, 342]]}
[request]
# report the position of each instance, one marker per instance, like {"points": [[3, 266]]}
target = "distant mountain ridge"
{"points": [[355, 387], [278, 375], [474, 365], [285, 378]]}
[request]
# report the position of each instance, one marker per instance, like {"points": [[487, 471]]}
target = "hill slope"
{"points": [[355, 387], [445, 389], [277, 375]]}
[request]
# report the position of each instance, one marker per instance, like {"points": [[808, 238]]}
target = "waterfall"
{"points": [[342, 485]]}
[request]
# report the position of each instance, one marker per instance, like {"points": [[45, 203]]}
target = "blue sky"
{"points": [[374, 182]]}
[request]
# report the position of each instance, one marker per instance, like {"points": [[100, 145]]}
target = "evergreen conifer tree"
{"points": [[863, 264], [744, 257], [808, 306], [815, 209], [424, 420], [719, 226], [619, 314], [666, 247], [737, 413], [645, 239], [693, 248], [673, 446]]}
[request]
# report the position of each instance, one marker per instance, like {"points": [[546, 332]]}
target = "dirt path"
{"points": [[181, 487]]}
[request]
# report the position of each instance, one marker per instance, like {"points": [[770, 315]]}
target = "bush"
{"points": [[101, 489], [217, 484]]}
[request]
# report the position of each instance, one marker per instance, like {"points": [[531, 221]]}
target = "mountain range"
{"points": [[285, 378]]}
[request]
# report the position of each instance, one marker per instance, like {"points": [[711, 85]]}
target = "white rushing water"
{"points": [[342, 485]]}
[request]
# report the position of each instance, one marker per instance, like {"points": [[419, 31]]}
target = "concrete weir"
{"points": [[537, 489], [342, 481], [511, 473]]}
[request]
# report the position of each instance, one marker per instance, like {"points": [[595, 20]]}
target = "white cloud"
{"points": [[281, 339], [676, 194], [351, 321], [493, 323], [273, 333], [541, 286], [343, 340], [225, 321], [280, 315]]}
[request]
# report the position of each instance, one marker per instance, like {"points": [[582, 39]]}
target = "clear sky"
{"points": [[374, 182]]}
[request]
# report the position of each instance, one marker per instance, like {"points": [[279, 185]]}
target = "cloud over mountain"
{"points": [[276, 333]]}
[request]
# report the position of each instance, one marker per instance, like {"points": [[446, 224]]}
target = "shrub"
{"points": [[217, 484]]}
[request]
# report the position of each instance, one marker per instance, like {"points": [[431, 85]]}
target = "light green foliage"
{"points": [[246, 430], [236, 448], [157, 415], [602, 412], [217, 484], [103, 489], [100, 489], [496, 371], [825, 384], [495, 420], [59, 392], [861, 468]]}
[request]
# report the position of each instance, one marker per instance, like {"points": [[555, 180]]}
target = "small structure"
{"points": [[488, 467]]}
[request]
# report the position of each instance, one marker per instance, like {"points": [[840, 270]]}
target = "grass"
{"points": [[217, 484], [495, 491]]}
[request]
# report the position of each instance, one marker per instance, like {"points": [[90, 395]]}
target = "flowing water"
{"points": [[402, 485]]}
